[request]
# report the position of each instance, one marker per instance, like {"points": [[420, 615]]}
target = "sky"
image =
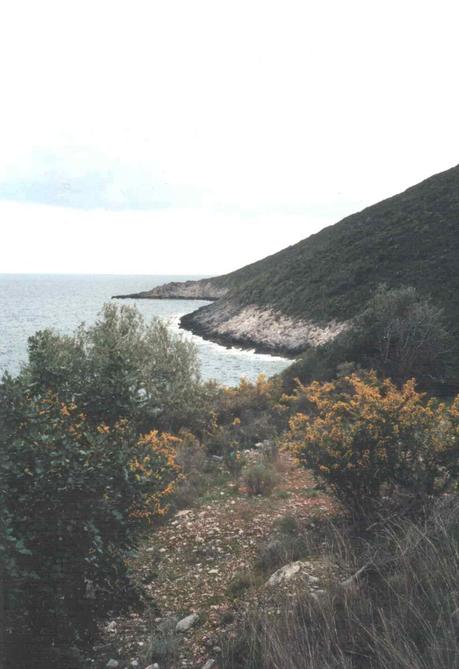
{"points": [[193, 137]]}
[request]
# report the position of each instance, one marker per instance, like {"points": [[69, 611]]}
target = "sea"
{"points": [[31, 302]]}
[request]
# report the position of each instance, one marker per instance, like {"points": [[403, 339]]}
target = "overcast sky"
{"points": [[192, 136]]}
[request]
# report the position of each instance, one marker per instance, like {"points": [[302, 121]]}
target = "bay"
{"points": [[31, 302]]}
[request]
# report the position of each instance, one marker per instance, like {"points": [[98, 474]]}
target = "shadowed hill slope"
{"points": [[304, 294]]}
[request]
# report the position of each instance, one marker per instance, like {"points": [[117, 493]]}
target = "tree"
{"points": [[121, 367]]}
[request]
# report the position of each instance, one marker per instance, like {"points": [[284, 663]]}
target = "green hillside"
{"points": [[409, 239]]}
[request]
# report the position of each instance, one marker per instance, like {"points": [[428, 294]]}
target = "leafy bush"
{"points": [[73, 496], [260, 478], [368, 439], [246, 414], [121, 367], [399, 334]]}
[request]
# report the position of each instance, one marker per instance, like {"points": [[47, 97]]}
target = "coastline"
{"points": [[224, 321], [247, 344]]}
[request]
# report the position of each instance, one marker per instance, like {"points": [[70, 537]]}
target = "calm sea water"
{"points": [[33, 302]]}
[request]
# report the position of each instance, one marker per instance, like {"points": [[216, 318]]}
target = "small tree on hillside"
{"points": [[403, 335]]}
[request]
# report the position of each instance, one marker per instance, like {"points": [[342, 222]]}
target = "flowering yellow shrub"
{"points": [[154, 462], [367, 439], [246, 414]]}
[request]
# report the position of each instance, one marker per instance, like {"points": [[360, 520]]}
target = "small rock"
{"points": [[285, 573], [209, 664], [111, 627], [112, 664], [185, 624], [184, 512]]}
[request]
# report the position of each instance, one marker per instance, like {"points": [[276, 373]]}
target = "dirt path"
{"points": [[189, 565]]}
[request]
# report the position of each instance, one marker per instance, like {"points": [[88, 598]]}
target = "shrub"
{"points": [[260, 479], [122, 367], [74, 496], [285, 545], [241, 581], [368, 439], [399, 334]]}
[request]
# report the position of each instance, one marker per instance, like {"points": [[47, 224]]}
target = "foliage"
{"points": [[286, 544], [399, 334], [367, 439], [260, 478], [244, 416], [122, 367], [73, 495]]}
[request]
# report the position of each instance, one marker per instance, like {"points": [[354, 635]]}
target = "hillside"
{"points": [[305, 293]]}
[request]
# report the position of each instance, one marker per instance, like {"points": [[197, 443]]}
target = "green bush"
{"points": [[399, 334], [73, 498], [260, 478], [122, 367]]}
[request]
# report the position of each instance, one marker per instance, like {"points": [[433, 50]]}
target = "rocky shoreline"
{"points": [[187, 323], [262, 329], [228, 323], [203, 289]]}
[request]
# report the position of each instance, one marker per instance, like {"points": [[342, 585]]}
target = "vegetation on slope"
{"points": [[411, 239], [106, 433], [399, 334]]}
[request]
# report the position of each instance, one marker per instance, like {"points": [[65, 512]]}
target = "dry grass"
{"points": [[402, 614]]}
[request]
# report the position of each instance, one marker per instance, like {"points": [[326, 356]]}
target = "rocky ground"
{"points": [[201, 570], [264, 329]]}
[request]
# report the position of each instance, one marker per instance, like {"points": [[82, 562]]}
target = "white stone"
{"points": [[186, 623], [286, 573], [209, 664], [184, 512]]}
